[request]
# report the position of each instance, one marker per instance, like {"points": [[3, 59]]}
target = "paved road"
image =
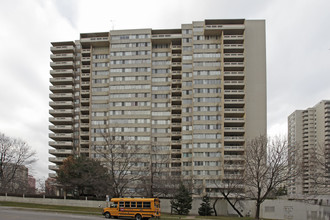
{"points": [[9, 213]]}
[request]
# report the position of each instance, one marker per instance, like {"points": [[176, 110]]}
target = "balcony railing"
{"points": [[166, 36], [224, 27], [58, 144], [60, 151]]}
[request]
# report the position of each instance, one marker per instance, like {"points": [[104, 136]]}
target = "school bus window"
{"points": [[121, 204], [139, 204], [115, 204], [127, 205], [133, 204], [146, 205]]}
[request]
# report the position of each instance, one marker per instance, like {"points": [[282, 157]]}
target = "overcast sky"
{"points": [[298, 51]]}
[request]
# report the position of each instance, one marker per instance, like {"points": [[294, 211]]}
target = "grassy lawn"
{"points": [[97, 211], [55, 208], [173, 217]]}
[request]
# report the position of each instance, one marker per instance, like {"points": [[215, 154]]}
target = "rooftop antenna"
{"points": [[112, 24]]}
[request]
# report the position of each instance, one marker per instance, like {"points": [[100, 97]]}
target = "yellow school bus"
{"points": [[137, 208]]}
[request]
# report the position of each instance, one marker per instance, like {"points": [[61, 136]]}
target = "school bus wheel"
{"points": [[107, 215], [138, 217]]}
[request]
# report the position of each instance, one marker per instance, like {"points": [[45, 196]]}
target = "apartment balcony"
{"points": [[84, 125], [176, 98], [84, 134], [84, 143], [61, 105], [85, 59], [176, 89], [60, 144], [62, 81], [176, 55], [233, 37], [234, 92], [85, 67], [61, 137], [61, 97], [85, 93], [176, 47], [62, 57], [234, 167], [62, 65], [96, 41], [233, 46], [234, 64], [176, 81], [233, 138], [85, 85], [177, 116], [232, 176], [62, 49], [61, 112], [233, 157], [233, 74], [176, 107], [84, 101], [86, 51], [176, 73], [62, 73], [225, 27], [84, 150], [234, 148], [61, 120], [60, 152], [61, 128], [234, 129], [234, 110], [84, 110], [234, 55], [53, 167], [176, 64], [176, 133], [165, 36], [176, 141], [52, 175], [61, 89], [84, 118], [234, 101], [234, 120], [56, 160]]}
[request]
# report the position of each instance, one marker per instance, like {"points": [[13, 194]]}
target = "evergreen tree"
{"points": [[205, 209], [181, 203]]}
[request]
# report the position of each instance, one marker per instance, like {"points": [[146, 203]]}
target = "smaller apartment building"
{"points": [[309, 141]]}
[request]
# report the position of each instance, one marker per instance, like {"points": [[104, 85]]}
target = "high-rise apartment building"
{"points": [[309, 140], [193, 95]]}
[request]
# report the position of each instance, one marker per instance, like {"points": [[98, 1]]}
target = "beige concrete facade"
{"points": [[309, 135], [192, 95]]}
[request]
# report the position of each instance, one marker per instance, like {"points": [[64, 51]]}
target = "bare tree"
{"points": [[232, 191], [158, 182], [267, 166], [319, 169], [15, 156], [123, 160]]}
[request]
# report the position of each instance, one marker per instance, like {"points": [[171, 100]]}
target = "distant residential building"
{"points": [[32, 184], [309, 136], [50, 187], [194, 95], [17, 179]]}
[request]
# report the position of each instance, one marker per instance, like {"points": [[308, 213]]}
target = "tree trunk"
{"points": [[214, 209], [258, 210], [232, 205]]}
